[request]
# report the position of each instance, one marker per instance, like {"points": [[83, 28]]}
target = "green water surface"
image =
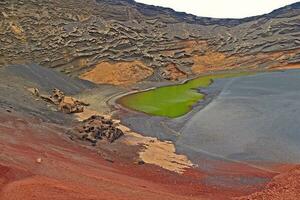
{"points": [[172, 101]]}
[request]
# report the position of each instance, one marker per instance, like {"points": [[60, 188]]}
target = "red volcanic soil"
{"points": [[285, 186], [69, 171]]}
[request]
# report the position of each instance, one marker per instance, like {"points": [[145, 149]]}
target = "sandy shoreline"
{"points": [[167, 129]]}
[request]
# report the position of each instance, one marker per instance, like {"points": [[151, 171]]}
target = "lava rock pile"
{"points": [[96, 128], [65, 104]]}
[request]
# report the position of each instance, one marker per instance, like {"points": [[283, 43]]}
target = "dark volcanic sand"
{"points": [[253, 119]]}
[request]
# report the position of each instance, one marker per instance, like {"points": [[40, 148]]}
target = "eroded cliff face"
{"points": [[78, 36]]}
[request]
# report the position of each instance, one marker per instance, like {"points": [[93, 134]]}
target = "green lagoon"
{"points": [[172, 101]]}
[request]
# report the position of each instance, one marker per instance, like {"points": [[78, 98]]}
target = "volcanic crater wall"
{"points": [[75, 36]]}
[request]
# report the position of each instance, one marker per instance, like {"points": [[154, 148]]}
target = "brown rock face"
{"points": [[171, 72], [216, 61], [120, 73]]}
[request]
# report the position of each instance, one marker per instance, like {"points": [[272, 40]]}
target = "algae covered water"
{"points": [[172, 101]]}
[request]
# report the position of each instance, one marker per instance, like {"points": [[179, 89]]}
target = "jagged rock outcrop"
{"points": [[64, 103], [96, 128], [74, 39]]}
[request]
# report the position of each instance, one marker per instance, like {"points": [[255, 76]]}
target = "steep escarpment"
{"points": [[75, 37]]}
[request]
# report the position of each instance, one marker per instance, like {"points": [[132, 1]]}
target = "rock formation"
{"points": [[64, 103], [74, 39], [96, 128]]}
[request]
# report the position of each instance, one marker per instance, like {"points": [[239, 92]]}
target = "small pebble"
{"points": [[141, 162], [39, 160]]}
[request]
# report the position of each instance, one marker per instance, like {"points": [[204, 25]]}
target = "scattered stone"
{"points": [[34, 91], [140, 162], [106, 157], [109, 160], [57, 96], [39, 160], [70, 105]]}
